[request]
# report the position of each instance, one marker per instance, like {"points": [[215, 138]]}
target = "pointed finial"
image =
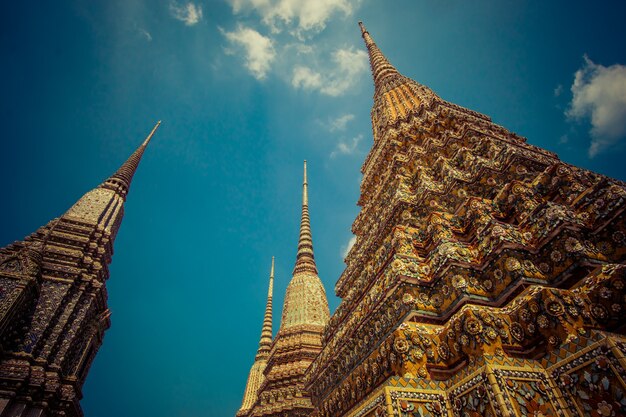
{"points": [[305, 191], [381, 68], [120, 181], [154, 129], [305, 261], [265, 343], [271, 286], [362, 26]]}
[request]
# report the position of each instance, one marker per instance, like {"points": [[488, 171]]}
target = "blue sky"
{"points": [[246, 90]]}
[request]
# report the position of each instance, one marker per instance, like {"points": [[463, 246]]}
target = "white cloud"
{"points": [[319, 67], [558, 90], [258, 50], [345, 250], [347, 148], [599, 93], [306, 78], [340, 122], [348, 66], [303, 15], [145, 34], [189, 13], [301, 48]]}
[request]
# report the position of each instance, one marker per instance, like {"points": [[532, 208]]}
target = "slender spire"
{"points": [[305, 188], [256, 377], [120, 181], [305, 260], [104, 205], [266, 333], [396, 97], [299, 338], [381, 68]]}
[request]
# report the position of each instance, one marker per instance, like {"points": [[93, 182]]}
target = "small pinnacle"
{"points": [[305, 260], [154, 129], [305, 188], [305, 181], [121, 179], [381, 68], [362, 26]]}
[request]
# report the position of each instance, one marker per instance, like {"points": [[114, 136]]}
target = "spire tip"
{"points": [[154, 129], [362, 26], [266, 331], [304, 258], [305, 181], [121, 179], [381, 68]]}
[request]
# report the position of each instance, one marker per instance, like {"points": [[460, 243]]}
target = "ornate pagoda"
{"points": [[487, 277], [53, 301], [299, 339], [256, 377]]}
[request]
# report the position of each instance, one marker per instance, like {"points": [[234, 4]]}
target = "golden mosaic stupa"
{"points": [[276, 381], [487, 279]]}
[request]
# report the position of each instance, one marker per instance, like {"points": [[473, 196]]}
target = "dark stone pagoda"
{"points": [[53, 301]]}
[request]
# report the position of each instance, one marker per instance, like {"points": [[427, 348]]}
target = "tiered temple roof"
{"points": [[486, 276]]}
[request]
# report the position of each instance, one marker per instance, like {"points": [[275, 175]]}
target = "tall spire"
{"points": [[266, 333], [305, 302], [381, 68], [104, 205], [121, 179], [256, 377], [396, 97], [305, 260], [299, 338]]}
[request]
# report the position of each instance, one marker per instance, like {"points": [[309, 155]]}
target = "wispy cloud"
{"points": [[145, 34], [189, 13], [306, 79], [340, 123], [350, 65], [347, 147], [345, 249], [257, 49], [299, 15], [599, 93], [347, 66]]}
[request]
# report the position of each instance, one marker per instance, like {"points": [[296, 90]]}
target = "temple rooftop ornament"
{"points": [[305, 301], [256, 377], [381, 68], [122, 178]]}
